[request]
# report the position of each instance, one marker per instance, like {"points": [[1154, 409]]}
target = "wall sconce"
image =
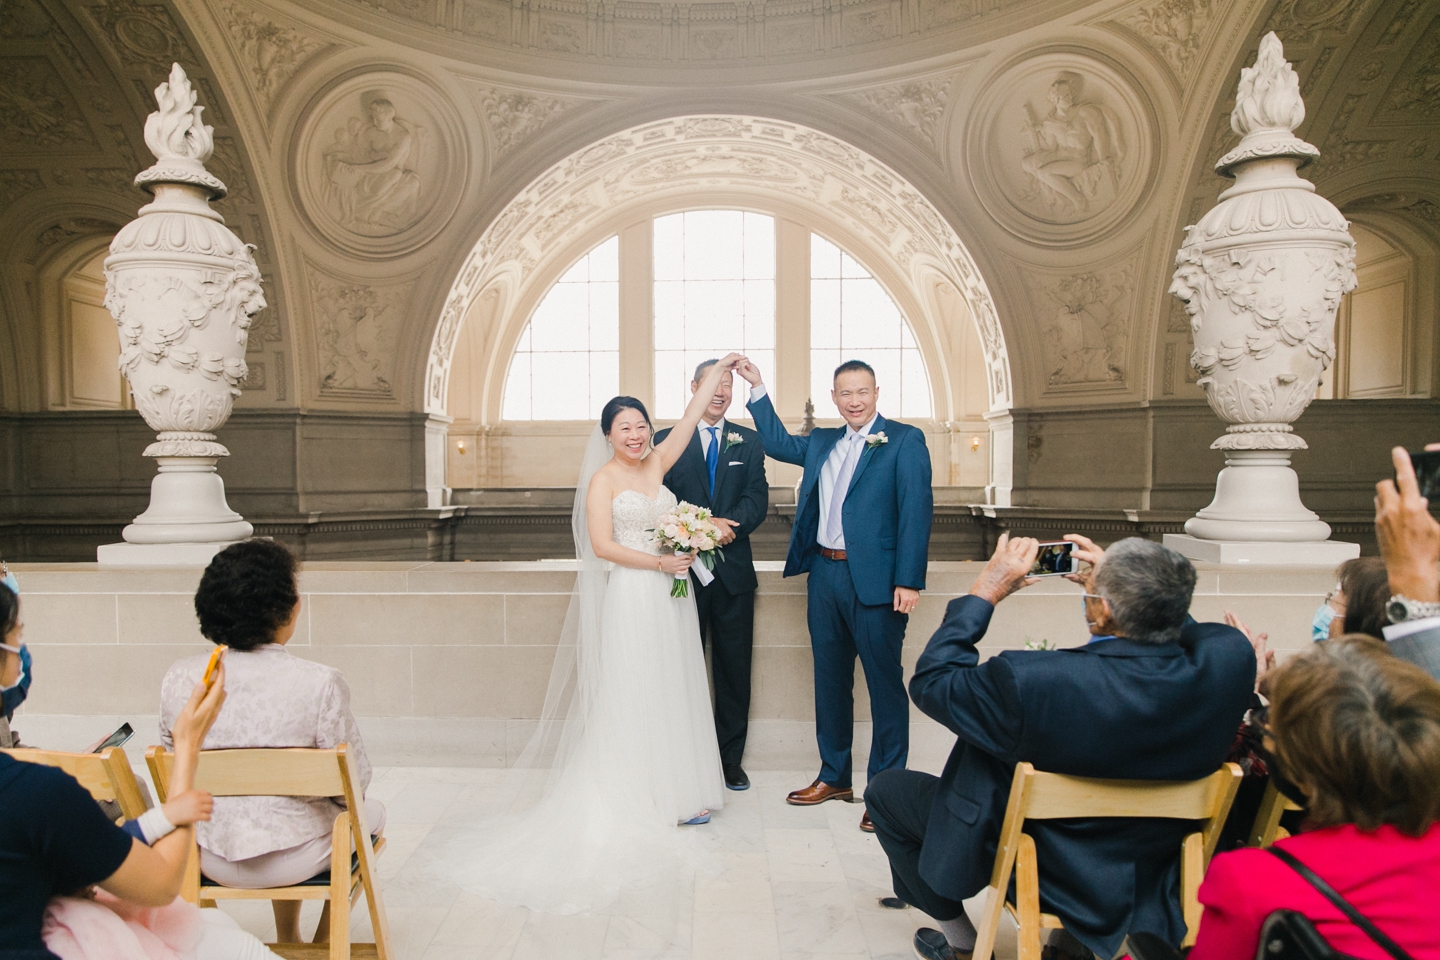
{"points": [[460, 445], [974, 444]]}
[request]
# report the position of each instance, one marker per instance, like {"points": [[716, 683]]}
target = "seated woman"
{"points": [[1357, 604], [55, 845], [248, 600], [1358, 731]]}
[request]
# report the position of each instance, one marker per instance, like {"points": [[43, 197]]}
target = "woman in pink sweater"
{"points": [[1358, 730]]}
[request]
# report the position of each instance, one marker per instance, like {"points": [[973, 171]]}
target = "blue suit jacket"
{"points": [[887, 510], [1114, 708]]}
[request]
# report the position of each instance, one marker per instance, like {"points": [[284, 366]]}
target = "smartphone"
{"points": [[115, 739], [1056, 559], [212, 665], [1427, 473]]}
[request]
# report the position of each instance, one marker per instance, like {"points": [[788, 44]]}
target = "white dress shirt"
{"points": [[828, 473], [704, 429]]}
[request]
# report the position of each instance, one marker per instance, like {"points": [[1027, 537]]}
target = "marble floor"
{"points": [[795, 883]]}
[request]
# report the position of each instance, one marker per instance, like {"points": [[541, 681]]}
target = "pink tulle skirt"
{"points": [[106, 928]]}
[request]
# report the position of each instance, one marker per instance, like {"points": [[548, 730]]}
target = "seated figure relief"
{"points": [[1074, 153], [372, 179]]}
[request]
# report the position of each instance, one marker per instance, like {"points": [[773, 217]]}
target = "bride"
{"points": [[627, 729]]}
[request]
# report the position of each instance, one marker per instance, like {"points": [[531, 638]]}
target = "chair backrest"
{"points": [[1050, 796], [107, 775]]}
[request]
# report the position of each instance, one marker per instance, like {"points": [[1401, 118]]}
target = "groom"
{"points": [[862, 531], [723, 469]]}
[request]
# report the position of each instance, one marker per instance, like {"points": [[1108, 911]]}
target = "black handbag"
{"points": [[1286, 934]]}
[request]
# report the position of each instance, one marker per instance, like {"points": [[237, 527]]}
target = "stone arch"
{"points": [[686, 162]]}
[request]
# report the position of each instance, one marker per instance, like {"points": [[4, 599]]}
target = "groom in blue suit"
{"points": [[862, 532]]}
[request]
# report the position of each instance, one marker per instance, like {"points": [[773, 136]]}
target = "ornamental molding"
{"points": [[513, 116], [686, 157], [1086, 324], [1176, 30], [918, 107], [269, 53]]}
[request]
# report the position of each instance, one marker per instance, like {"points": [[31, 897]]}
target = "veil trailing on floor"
{"points": [[574, 676], [591, 837]]}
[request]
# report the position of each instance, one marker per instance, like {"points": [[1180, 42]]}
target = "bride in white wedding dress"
{"points": [[627, 729]]}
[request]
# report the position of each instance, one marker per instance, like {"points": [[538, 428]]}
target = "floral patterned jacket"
{"points": [[272, 699]]}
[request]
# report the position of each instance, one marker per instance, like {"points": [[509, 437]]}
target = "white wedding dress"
{"points": [[627, 732]]}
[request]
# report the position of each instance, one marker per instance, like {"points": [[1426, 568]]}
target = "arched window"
{"points": [[714, 293], [853, 318], [567, 363]]}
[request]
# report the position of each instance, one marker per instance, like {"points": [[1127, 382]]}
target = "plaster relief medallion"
{"points": [[37, 111], [1061, 149], [1086, 324], [356, 329], [379, 164]]}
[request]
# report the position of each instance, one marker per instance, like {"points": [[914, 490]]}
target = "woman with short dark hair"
{"points": [[248, 600], [1358, 731]]}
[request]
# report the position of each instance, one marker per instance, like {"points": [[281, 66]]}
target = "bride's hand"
{"points": [[676, 562], [731, 360]]}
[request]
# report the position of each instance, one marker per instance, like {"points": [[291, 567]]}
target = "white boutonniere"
{"points": [[732, 439], [874, 440]]}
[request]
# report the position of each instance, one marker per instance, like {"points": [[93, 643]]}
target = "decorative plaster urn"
{"points": [[182, 289], [1261, 276]]}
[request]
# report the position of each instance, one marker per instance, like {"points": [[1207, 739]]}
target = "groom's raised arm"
{"points": [[779, 442]]}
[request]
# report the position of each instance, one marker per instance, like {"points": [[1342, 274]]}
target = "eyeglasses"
{"points": [[1333, 598]]}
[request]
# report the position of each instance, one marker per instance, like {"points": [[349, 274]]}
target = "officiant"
{"points": [[724, 469]]}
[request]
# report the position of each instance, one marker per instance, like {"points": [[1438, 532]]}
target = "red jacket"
{"points": [[1391, 878]]}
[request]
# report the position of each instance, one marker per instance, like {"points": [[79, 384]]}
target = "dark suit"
{"points": [[1114, 708], [1421, 648], [727, 605], [886, 518]]}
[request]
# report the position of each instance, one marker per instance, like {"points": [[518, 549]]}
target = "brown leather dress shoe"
{"points": [[819, 792], [865, 823]]}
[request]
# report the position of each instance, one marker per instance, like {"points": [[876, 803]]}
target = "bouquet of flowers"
{"points": [[690, 530]]}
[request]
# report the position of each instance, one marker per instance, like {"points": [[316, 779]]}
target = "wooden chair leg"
{"points": [[989, 924], [1192, 871], [340, 889], [1027, 899]]}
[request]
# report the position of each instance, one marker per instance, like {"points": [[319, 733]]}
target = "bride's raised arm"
{"points": [[669, 451]]}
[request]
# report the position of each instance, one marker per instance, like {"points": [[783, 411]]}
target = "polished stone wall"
{"points": [[447, 662]]}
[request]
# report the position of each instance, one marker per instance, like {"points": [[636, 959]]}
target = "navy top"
{"points": [[54, 840]]}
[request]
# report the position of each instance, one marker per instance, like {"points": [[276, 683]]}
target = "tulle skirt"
{"points": [[608, 820]]}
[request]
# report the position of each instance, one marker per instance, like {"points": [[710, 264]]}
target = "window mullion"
{"points": [[637, 312], [791, 377]]}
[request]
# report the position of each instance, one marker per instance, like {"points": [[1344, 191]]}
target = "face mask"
{"points": [[24, 656], [1320, 626]]}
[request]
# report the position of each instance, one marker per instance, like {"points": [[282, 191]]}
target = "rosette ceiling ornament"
{"points": [[1261, 276], [182, 289]]}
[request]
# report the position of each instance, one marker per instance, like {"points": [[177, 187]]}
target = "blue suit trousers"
{"points": [[841, 627]]}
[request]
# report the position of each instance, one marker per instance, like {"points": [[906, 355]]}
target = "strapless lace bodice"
{"points": [[633, 516]]}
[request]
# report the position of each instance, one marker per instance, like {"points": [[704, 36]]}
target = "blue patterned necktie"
{"points": [[712, 456]]}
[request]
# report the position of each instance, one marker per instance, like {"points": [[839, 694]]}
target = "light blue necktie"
{"points": [[834, 524], [712, 456]]}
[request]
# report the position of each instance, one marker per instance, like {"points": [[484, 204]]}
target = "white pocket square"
{"points": [[737, 463]]}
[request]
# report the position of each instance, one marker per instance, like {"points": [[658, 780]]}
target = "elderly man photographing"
{"points": [[1152, 695]]}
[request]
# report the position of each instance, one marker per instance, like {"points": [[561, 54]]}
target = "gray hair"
{"points": [[1149, 587], [700, 370]]}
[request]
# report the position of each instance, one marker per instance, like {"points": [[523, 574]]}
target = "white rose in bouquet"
{"points": [[690, 530]]}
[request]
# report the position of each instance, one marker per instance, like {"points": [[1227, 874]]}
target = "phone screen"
{"points": [[1054, 560], [1427, 473], [116, 739]]}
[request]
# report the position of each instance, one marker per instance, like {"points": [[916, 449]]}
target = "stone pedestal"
{"points": [[1298, 553]]}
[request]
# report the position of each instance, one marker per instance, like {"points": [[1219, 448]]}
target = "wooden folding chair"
{"points": [[296, 772], [1273, 805], [1050, 796], [106, 775]]}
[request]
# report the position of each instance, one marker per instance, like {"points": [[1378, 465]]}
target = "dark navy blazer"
{"points": [[1114, 708], [887, 510], [742, 494]]}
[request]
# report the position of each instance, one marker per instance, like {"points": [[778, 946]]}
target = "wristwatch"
{"points": [[1401, 608]]}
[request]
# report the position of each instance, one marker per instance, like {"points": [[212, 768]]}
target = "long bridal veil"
{"points": [[592, 836]]}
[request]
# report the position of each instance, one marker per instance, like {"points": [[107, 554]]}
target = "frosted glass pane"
{"points": [[524, 344], [887, 374], [824, 258], [604, 380], [670, 247], [825, 314], [714, 314], [907, 339], [759, 313], [759, 247], [560, 386], [916, 401], [669, 315], [672, 384], [517, 389], [563, 320], [605, 316], [850, 267], [822, 378], [870, 319], [714, 245], [605, 261], [765, 360], [579, 273]]}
